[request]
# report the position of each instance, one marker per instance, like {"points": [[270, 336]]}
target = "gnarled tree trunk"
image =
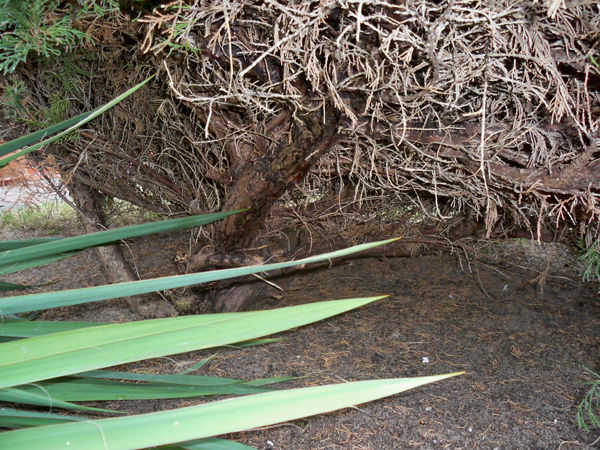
{"points": [[258, 180]]}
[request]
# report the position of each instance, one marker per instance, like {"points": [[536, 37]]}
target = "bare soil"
{"points": [[521, 324]]}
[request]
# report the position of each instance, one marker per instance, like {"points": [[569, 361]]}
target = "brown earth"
{"points": [[522, 325]]}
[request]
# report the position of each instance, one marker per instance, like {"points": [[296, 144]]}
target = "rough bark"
{"points": [[236, 297], [89, 206], [259, 182], [260, 172]]}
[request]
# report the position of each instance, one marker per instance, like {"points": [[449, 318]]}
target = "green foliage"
{"points": [[54, 114], [594, 62], [53, 364], [24, 258], [590, 256], [66, 71], [42, 28], [61, 360], [49, 218], [12, 100], [68, 126], [60, 74], [589, 408], [208, 419]]}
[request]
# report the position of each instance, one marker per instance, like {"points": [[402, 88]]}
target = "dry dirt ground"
{"points": [[522, 325]]}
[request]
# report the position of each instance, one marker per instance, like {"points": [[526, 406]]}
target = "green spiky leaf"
{"points": [[207, 420]]}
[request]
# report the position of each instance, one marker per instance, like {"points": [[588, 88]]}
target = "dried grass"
{"points": [[485, 107]]}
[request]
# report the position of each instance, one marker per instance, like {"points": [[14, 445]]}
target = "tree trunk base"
{"points": [[233, 298], [238, 295], [150, 306], [116, 267]]}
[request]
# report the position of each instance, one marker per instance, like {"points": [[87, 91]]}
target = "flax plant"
{"points": [[53, 364]]}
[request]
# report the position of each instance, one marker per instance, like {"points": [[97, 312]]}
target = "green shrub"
{"points": [[589, 408], [590, 256], [12, 100], [41, 28]]}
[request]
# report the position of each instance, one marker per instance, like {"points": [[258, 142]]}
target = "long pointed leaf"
{"points": [[33, 302], [87, 117], [20, 243], [199, 364], [23, 329], [4, 286], [14, 395], [268, 381], [35, 262], [59, 354], [189, 380], [15, 418], [208, 444], [211, 419], [184, 380], [95, 390], [94, 239], [253, 342], [29, 139]]}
